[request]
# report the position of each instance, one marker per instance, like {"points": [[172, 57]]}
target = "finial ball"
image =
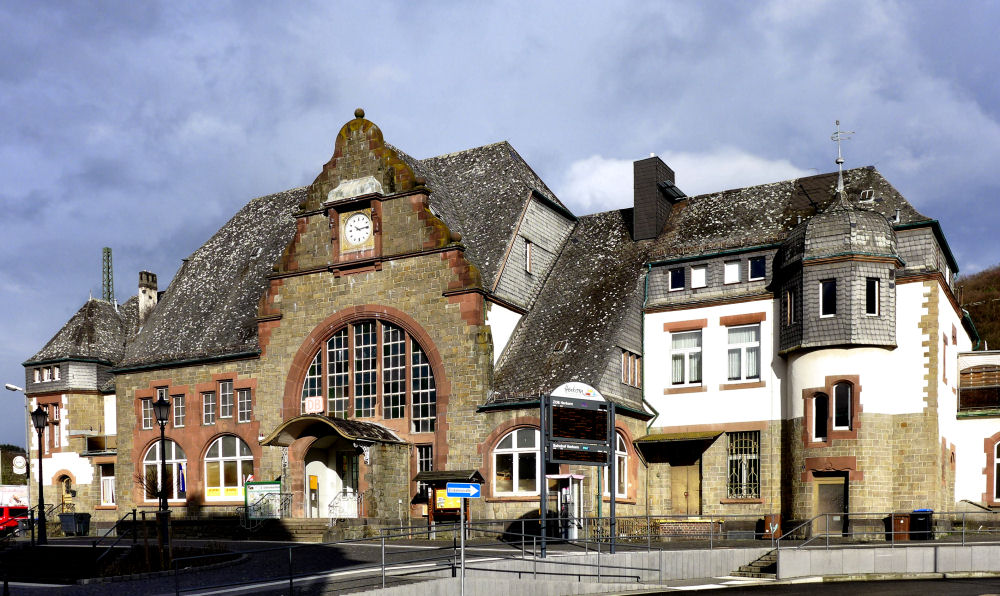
{"points": [[359, 113]]}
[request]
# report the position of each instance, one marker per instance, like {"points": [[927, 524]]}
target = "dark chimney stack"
{"points": [[655, 194]]}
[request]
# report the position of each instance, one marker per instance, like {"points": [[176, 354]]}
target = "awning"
{"points": [[318, 425], [564, 476], [439, 476], [672, 437]]}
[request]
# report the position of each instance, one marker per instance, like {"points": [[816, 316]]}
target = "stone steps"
{"points": [[766, 567]]}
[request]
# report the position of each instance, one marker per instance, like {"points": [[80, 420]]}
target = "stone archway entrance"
{"points": [[328, 464]]}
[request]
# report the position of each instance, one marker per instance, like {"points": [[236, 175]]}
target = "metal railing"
{"points": [[893, 528], [118, 534]]}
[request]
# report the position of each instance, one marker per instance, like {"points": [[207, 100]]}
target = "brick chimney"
{"points": [[147, 295], [655, 194]]}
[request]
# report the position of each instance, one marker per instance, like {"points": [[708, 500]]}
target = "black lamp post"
{"points": [[39, 418], [161, 409]]}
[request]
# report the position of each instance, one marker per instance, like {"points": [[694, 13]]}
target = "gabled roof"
{"points": [[210, 307], [766, 213], [97, 332], [571, 333], [480, 193]]}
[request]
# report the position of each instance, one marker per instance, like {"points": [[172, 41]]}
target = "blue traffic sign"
{"points": [[465, 490]]}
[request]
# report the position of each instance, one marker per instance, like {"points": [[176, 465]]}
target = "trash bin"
{"points": [[897, 527], [68, 521], [921, 527], [75, 524]]}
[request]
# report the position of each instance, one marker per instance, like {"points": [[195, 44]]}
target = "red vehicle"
{"points": [[9, 517]]}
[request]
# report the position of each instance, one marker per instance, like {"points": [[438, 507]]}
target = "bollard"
{"points": [[291, 582], [383, 562], [661, 565]]}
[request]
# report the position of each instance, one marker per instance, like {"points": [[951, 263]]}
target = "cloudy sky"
{"points": [[145, 126]]}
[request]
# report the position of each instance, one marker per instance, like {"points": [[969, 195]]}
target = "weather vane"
{"points": [[837, 137]]}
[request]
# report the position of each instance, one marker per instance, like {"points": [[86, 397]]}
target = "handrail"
{"points": [[118, 534]]}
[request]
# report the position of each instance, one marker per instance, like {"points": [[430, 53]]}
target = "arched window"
{"points": [[367, 363], [516, 463], [821, 416], [228, 464], [842, 406], [621, 468], [176, 485]]}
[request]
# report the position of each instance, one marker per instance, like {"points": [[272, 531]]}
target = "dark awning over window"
{"points": [[438, 477]]}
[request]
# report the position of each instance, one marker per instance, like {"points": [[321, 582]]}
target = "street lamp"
{"points": [[39, 418], [161, 409]]}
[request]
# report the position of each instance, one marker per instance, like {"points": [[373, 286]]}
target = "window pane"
{"points": [[828, 298], [842, 406], [821, 413], [365, 364], [311, 386], [758, 268], [744, 335], [338, 374], [677, 279], [734, 365], [229, 446], [525, 438], [694, 367], [151, 482], [231, 474], [504, 472], [871, 296], [753, 363], [213, 451], [527, 468], [687, 339], [507, 442], [620, 473], [245, 450], [677, 364], [732, 272], [393, 372], [212, 473], [698, 276]]}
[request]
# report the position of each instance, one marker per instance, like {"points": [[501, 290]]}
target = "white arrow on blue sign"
{"points": [[465, 490]]}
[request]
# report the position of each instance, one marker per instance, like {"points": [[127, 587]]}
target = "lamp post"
{"points": [[161, 409], [39, 418]]}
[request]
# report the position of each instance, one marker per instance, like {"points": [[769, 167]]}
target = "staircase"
{"points": [[293, 529], [765, 567]]}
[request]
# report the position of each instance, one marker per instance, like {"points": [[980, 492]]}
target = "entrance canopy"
{"points": [[317, 425]]}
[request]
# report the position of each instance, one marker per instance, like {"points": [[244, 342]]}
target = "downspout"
{"points": [[642, 342]]}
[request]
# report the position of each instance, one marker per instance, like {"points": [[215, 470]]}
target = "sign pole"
{"points": [[543, 489], [462, 540], [612, 472]]}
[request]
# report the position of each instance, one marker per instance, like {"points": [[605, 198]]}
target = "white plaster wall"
{"points": [[712, 406], [110, 415], [502, 322], [66, 460]]}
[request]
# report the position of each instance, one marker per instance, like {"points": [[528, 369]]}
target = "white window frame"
{"points": [[822, 304], [670, 277], [240, 459], [244, 405], [631, 369], [55, 373], [47, 373], [686, 354], [731, 272], [699, 276], [179, 410], [38, 375], [750, 262], [527, 255], [514, 451], [837, 397], [107, 486], [176, 467], [208, 407], [878, 295], [743, 348], [425, 463], [225, 399], [146, 412], [996, 471], [621, 469]]}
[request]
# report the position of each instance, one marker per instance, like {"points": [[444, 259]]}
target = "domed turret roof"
{"points": [[841, 230]]}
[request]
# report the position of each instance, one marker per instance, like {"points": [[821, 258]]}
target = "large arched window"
{"points": [[516, 463], [176, 472], [368, 363], [621, 468], [228, 463]]}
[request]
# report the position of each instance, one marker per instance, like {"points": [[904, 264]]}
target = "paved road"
{"points": [[952, 587]]}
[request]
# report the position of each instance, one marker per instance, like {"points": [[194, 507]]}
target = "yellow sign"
{"points": [[213, 492], [443, 501]]}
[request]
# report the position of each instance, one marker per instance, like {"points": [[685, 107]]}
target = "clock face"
{"points": [[357, 228]]}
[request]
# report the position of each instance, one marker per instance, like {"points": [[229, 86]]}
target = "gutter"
{"points": [[710, 255], [66, 359], [187, 362]]}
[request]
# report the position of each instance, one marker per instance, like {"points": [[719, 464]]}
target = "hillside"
{"points": [[980, 295]]}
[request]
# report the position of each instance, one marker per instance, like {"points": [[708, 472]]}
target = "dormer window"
{"points": [[47, 373], [828, 298], [38, 375], [55, 373], [527, 256], [757, 268], [872, 296], [731, 273], [677, 279], [699, 276]]}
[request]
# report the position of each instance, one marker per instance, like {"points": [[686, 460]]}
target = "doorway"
{"points": [[331, 480], [830, 502], [685, 489]]}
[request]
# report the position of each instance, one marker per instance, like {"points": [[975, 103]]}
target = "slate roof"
{"points": [[766, 213], [210, 307], [594, 285], [97, 332], [481, 193]]}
